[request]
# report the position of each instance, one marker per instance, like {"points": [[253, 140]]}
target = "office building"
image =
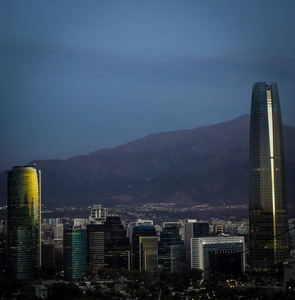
{"points": [[177, 224], [169, 237], [178, 262], [78, 222], [220, 255], [75, 254], [23, 221], [136, 254], [218, 229], [108, 245], [58, 231], [193, 229], [138, 223], [48, 255], [96, 237], [95, 246], [267, 199], [289, 269], [98, 214], [148, 253], [52, 221], [117, 246]]}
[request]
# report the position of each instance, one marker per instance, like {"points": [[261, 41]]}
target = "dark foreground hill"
{"points": [[189, 167]]}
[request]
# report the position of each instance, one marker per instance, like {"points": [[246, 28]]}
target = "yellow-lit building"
{"points": [[148, 253], [268, 220], [23, 221]]}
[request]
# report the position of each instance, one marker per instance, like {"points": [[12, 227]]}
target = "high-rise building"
{"points": [[148, 253], [117, 246], [138, 233], [193, 229], [59, 231], [138, 223], [96, 237], [108, 245], [178, 263], [267, 200], [169, 236], [23, 221], [48, 255], [75, 253], [224, 255], [95, 246]]}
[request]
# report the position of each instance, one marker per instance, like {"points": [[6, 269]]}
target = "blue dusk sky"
{"points": [[79, 75]]}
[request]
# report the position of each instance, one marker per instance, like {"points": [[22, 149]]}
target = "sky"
{"points": [[77, 76]]}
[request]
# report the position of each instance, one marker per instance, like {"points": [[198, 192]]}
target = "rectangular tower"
{"points": [[75, 253], [138, 233], [267, 199], [193, 229], [95, 246], [169, 236], [117, 246], [148, 253]]}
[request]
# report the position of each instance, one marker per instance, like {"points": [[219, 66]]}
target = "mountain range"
{"points": [[188, 167]]}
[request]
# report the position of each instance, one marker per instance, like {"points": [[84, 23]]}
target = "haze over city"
{"points": [[79, 76]]}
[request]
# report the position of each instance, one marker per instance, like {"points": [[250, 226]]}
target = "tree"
{"points": [[64, 291]]}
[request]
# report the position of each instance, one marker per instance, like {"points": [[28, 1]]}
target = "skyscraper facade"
{"points": [[75, 253], [193, 229], [23, 221], [169, 236], [137, 243], [267, 199], [220, 255], [117, 246], [148, 253], [95, 246], [178, 263]]}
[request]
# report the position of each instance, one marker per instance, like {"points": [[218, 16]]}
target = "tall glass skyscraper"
{"points": [[267, 203], [75, 253], [137, 243], [169, 236], [117, 246], [23, 221]]}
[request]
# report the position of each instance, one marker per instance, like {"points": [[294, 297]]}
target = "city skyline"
{"points": [[218, 256], [77, 77]]}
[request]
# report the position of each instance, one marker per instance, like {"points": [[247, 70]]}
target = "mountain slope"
{"points": [[203, 165]]}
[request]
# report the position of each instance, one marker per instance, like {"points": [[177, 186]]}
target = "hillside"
{"points": [[203, 165]]}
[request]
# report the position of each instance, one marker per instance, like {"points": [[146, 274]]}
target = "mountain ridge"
{"points": [[208, 164]]}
